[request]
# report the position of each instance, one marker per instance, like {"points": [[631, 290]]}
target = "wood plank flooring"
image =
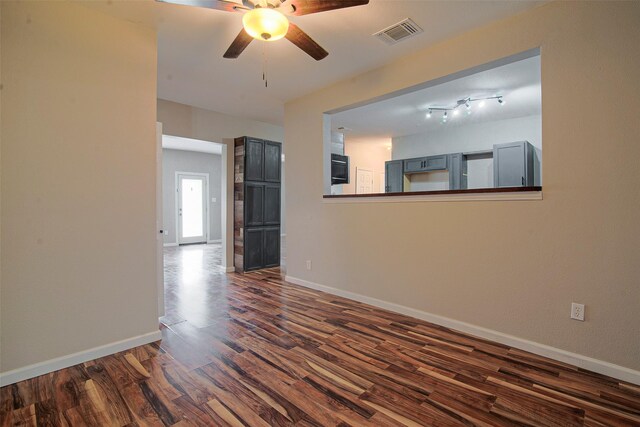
{"points": [[253, 350]]}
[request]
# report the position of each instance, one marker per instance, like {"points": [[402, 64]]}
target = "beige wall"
{"points": [[197, 123], [78, 181], [367, 154], [510, 266], [1, 191], [193, 122]]}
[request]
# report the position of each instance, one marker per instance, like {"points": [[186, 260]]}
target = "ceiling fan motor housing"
{"points": [[265, 20]]}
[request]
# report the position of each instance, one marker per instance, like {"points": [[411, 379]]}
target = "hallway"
{"points": [[193, 278]]}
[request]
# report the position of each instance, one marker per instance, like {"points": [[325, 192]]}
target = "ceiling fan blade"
{"points": [[239, 44], [301, 39], [305, 7], [228, 6]]}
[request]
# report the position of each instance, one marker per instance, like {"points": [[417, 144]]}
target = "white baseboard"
{"points": [[585, 362], [58, 363], [214, 241], [168, 245], [229, 269]]}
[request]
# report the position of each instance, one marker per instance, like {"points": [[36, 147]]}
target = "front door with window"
{"points": [[192, 214]]}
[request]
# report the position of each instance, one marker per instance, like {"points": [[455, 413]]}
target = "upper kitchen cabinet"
{"points": [[425, 164], [513, 165]]}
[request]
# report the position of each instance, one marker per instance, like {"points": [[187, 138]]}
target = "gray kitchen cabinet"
{"points": [[394, 176], [513, 164], [425, 164], [457, 172]]}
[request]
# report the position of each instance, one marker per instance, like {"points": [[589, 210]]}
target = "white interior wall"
{"points": [[480, 173], [429, 181]]}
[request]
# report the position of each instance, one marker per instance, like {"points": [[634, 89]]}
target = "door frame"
{"points": [[159, 222], [207, 206]]}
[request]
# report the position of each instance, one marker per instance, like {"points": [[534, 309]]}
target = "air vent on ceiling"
{"points": [[398, 32]]}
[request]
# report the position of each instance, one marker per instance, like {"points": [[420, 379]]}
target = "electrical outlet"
{"points": [[577, 311], [308, 264]]}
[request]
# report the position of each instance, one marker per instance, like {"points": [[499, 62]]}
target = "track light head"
{"points": [[429, 114], [500, 101]]}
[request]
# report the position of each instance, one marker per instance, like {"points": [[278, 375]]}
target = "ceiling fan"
{"points": [[267, 20]]}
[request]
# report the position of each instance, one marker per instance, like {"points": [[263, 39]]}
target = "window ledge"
{"points": [[477, 194]]}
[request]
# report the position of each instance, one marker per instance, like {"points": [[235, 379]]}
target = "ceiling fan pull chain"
{"points": [[264, 65]]}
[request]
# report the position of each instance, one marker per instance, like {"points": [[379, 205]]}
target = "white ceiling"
{"points": [[518, 82], [187, 144], [191, 42]]}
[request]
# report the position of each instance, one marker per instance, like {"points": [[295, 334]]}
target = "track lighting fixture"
{"points": [[467, 102]]}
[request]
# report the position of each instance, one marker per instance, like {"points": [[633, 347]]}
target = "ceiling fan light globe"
{"points": [[265, 24]]}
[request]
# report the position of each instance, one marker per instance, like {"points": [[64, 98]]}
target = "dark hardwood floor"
{"points": [[254, 350]]}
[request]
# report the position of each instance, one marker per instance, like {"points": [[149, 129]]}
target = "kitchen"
{"points": [[472, 133]]}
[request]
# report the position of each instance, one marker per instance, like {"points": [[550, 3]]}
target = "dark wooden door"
{"points": [[271, 247], [254, 160], [254, 204], [272, 161]]}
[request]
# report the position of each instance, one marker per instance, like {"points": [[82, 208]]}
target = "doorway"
{"points": [[192, 207], [192, 216]]}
